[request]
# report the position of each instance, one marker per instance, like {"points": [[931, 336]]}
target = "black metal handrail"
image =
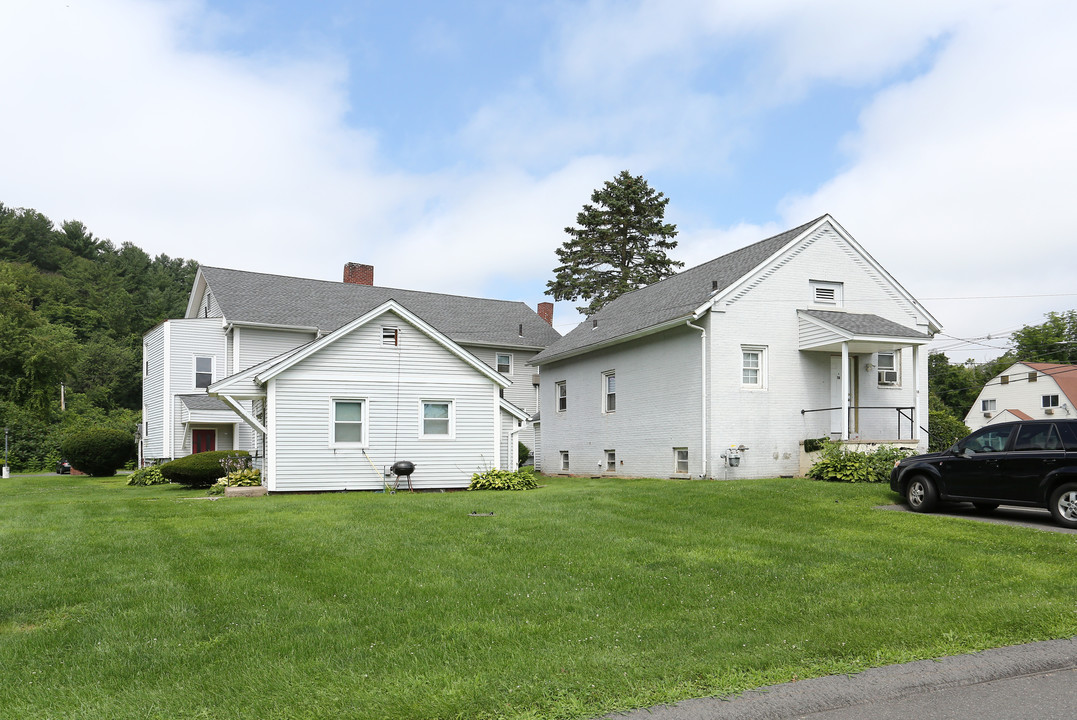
{"points": [[901, 414]]}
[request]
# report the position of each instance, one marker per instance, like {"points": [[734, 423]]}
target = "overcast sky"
{"points": [[449, 143]]}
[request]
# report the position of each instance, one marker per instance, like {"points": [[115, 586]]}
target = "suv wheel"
{"points": [[1064, 505], [921, 495]]}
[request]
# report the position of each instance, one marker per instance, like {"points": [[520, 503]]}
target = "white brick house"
{"points": [[798, 336]]}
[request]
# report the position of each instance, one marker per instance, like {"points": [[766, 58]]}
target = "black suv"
{"points": [[1031, 463]]}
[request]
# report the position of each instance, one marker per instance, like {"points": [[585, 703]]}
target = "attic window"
{"points": [[714, 284], [594, 323], [826, 293], [1005, 379], [390, 336], [1032, 376]]}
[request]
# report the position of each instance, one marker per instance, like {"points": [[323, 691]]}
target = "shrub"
{"points": [[945, 430], [814, 444], [522, 453], [199, 470], [150, 475], [248, 477], [838, 464], [98, 451], [522, 479]]}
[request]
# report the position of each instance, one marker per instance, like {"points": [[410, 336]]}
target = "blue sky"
{"points": [[448, 143]]}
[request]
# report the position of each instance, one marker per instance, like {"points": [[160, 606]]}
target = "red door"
{"points": [[203, 440]]}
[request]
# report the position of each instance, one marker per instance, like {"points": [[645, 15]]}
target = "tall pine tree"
{"points": [[619, 245]]}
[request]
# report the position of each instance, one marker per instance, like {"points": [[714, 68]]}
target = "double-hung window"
{"points": [[987, 405], [1050, 401], [609, 391], [437, 420], [561, 395], [203, 372], [504, 363], [753, 369], [564, 461], [888, 369], [349, 423]]}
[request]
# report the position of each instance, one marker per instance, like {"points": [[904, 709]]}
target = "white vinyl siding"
{"points": [[393, 386]]}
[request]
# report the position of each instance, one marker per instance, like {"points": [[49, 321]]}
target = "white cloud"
{"points": [[961, 182]]}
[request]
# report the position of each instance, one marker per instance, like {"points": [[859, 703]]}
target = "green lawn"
{"points": [[574, 600]]}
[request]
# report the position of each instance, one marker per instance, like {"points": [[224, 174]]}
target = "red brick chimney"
{"points": [[358, 274], [545, 311]]}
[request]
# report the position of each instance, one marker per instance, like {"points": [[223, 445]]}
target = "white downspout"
{"points": [[514, 463], [702, 390]]}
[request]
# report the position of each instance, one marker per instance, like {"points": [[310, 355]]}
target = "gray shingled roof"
{"points": [[675, 297], [863, 324], [248, 297]]}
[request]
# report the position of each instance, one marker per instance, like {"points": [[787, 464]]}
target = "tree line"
{"points": [[73, 309]]}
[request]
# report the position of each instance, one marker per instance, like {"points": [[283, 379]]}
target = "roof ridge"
{"points": [[357, 285]]}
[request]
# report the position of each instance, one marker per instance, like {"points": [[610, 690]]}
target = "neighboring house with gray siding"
{"points": [[239, 320], [798, 336]]}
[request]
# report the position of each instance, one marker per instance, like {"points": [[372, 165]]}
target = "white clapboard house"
{"points": [[329, 383]]}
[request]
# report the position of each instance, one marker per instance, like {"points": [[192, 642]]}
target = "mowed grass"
{"points": [[571, 601]]}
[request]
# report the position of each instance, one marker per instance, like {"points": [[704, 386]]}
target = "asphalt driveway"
{"points": [[1036, 518]]}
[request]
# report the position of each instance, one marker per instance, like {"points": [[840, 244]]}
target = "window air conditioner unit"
{"points": [[888, 377], [987, 414], [1049, 411]]}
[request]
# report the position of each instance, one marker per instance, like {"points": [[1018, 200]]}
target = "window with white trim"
{"points": [[560, 394], [609, 391], [889, 365], [1050, 401], [390, 336], [504, 363], [987, 405], [753, 367], [437, 419], [611, 461], [203, 371], [349, 423], [680, 461], [564, 461], [826, 293]]}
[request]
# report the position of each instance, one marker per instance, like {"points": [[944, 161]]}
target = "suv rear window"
{"points": [[1037, 437]]}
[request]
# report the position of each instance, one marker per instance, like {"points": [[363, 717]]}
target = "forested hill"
{"points": [[73, 309]]}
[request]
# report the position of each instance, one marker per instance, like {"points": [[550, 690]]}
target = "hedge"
{"points": [[200, 469]]}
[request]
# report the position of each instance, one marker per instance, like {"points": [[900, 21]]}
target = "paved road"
{"points": [[1037, 681]]}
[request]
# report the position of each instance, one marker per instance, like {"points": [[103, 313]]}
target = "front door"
{"points": [[203, 441], [835, 395]]}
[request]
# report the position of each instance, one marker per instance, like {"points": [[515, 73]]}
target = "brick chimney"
{"points": [[545, 311], [358, 274]]}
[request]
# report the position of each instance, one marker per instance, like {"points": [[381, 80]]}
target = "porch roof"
{"points": [[827, 330], [205, 409]]}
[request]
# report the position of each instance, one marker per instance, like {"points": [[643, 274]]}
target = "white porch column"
{"points": [[916, 393], [845, 380]]}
